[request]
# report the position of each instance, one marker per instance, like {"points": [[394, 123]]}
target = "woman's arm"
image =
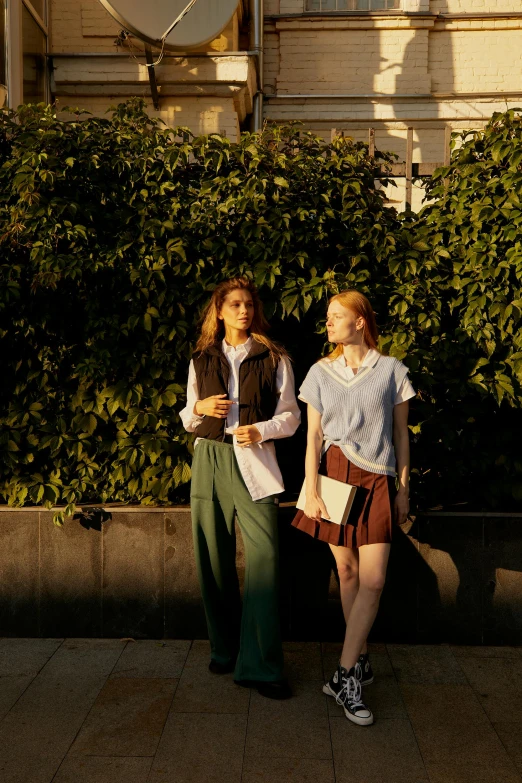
{"points": [[286, 416], [401, 441], [314, 506], [195, 409]]}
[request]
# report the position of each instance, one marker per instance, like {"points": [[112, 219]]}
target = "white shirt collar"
{"points": [[370, 360], [242, 348]]}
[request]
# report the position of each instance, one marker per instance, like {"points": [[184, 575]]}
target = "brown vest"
{"points": [[257, 386]]}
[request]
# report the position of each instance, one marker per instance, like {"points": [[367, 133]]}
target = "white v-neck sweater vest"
{"points": [[357, 414]]}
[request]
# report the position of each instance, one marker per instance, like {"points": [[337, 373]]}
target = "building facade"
{"points": [[335, 65]]}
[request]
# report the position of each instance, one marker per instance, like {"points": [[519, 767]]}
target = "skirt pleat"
{"points": [[371, 516]]}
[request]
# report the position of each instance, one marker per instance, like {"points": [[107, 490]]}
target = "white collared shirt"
{"points": [[257, 462], [406, 390]]}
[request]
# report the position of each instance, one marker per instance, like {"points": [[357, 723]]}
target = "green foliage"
{"points": [[113, 232], [460, 304]]}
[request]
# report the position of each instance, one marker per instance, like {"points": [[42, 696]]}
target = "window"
{"points": [[25, 51], [34, 48], [352, 5]]}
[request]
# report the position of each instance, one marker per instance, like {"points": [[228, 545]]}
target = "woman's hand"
{"points": [[402, 506], [216, 406], [247, 434], [315, 508]]}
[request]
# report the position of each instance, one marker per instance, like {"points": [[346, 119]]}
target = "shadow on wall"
{"points": [[450, 579]]}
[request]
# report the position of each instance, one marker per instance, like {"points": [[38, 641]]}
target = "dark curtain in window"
{"points": [[33, 42], [3, 52]]}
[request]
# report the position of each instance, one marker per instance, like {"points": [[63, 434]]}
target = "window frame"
{"points": [[14, 48], [5, 42]]}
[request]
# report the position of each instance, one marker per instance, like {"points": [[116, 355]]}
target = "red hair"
{"points": [[360, 305]]}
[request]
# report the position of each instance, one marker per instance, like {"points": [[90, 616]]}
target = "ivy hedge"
{"points": [[114, 230]]}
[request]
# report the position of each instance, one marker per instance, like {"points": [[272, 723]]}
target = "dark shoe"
{"points": [[345, 687], [270, 690], [366, 669], [221, 668]]}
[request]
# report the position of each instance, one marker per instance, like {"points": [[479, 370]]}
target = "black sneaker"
{"points": [[366, 669], [345, 687]]}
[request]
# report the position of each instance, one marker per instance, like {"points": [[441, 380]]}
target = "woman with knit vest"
{"points": [[357, 433], [240, 397]]}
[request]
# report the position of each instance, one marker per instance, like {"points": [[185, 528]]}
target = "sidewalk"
{"points": [[110, 711]]}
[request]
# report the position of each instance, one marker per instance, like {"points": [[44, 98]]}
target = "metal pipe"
{"points": [[324, 96], [166, 56], [257, 15]]}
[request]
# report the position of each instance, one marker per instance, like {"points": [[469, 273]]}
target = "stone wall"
{"points": [[451, 579]]}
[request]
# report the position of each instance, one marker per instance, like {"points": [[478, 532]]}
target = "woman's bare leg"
{"points": [[347, 561], [373, 561]]}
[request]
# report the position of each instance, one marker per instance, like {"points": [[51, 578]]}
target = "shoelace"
{"points": [[351, 690]]}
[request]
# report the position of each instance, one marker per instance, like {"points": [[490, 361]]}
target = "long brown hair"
{"points": [[360, 305], [213, 328]]}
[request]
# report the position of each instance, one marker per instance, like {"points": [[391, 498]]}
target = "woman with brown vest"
{"points": [[240, 397]]}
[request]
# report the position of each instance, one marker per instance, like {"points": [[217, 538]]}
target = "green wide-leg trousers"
{"points": [[218, 494]]}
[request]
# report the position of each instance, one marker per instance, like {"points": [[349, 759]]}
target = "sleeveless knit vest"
{"points": [[257, 386], [357, 414]]}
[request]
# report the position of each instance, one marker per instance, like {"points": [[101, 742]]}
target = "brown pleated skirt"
{"points": [[371, 516]]}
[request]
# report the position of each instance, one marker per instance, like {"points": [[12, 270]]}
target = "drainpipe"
{"points": [[257, 16]]}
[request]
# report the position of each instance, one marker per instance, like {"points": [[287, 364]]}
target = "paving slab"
{"points": [[452, 728], [45, 720], [383, 753], [295, 728], [428, 664], [93, 769], [510, 733], [442, 705], [154, 659], [260, 769], [127, 718], [28, 768], [455, 772], [303, 660], [498, 684], [468, 651], [200, 748], [201, 691], [20, 662]]}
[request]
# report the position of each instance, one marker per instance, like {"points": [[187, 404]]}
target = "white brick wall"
{"points": [[476, 60], [353, 61], [477, 6], [291, 6], [201, 115]]}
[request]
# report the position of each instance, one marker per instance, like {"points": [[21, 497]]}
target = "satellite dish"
{"points": [[150, 19]]}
